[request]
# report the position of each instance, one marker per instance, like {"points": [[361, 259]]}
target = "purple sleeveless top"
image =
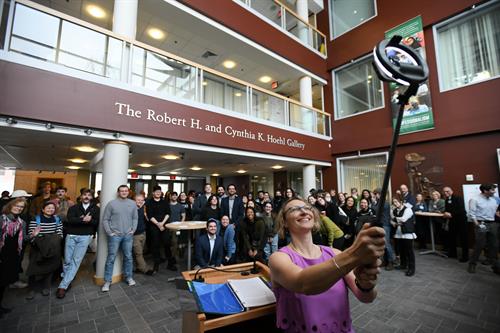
{"points": [[325, 312]]}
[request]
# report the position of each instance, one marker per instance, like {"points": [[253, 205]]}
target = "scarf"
{"points": [[10, 226]]}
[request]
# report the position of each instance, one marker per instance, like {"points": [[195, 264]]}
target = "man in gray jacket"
{"points": [[120, 222]]}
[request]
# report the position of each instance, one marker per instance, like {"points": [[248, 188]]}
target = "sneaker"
{"points": [[105, 286], [18, 285], [130, 282], [390, 266], [471, 268]]}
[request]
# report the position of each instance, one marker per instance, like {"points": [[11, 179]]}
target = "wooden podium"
{"points": [[197, 322]]}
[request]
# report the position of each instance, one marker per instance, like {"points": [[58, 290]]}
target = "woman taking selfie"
{"points": [[311, 281]]}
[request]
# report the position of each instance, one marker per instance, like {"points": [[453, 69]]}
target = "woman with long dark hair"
{"points": [[252, 236], [211, 209]]}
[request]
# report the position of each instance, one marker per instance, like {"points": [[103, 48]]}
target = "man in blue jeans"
{"points": [[386, 221], [120, 222], [80, 227]]}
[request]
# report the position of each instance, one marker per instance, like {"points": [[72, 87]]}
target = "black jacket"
{"points": [[238, 211], [75, 225], [455, 206]]}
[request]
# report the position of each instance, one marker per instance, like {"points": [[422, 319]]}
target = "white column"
{"points": [[125, 18], [115, 170], [306, 90], [308, 179], [125, 24], [303, 12]]}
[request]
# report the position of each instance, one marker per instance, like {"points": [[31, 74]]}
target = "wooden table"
{"points": [[431, 222], [189, 226], [198, 322]]}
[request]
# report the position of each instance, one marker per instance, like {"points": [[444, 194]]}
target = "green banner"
{"points": [[417, 114]]}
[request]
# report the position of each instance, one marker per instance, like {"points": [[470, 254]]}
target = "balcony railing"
{"points": [[283, 17], [42, 33]]}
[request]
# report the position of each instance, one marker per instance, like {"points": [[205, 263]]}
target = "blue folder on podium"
{"points": [[216, 298]]}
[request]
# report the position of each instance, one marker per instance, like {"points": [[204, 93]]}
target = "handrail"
{"points": [[78, 21], [298, 17]]}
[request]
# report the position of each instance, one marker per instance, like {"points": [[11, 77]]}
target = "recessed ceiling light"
{"points": [[215, 175], [204, 83], [86, 149], [255, 176], [77, 160], [156, 33], [96, 11], [265, 79], [145, 165], [171, 157], [174, 173], [241, 171], [73, 167], [229, 64], [355, 11], [277, 167], [131, 170], [195, 168], [370, 77], [238, 94]]}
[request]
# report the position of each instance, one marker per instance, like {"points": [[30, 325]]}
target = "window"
{"points": [[468, 47], [345, 15], [364, 172], [357, 89]]}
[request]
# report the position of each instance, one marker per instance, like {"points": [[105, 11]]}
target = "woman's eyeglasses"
{"points": [[304, 208]]}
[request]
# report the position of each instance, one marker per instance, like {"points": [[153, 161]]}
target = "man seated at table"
{"points": [[209, 248]]}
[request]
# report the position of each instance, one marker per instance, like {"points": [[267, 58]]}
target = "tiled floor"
{"points": [[442, 297]]}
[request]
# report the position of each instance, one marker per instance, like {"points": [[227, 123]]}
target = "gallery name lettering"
{"points": [[126, 110]]}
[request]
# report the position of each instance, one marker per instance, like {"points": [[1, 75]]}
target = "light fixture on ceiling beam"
{"points": [[88, 131], [11, 121], [49, 126]]}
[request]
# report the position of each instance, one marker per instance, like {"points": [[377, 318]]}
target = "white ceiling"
{"points": [[189, 38], [48, 151]]}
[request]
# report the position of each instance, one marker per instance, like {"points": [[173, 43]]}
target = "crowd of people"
{"points": [[239, 228]]}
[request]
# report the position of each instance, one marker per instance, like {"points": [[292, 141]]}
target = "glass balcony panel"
{"points": [[34, 33], [302, 117], [224, 93], [321, 123], [114, 58], [269, 9], [268, 107], [298, 28], [160, 73], [82, 48]]}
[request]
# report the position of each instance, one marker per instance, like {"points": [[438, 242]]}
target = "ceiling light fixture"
{"points": [[265, 79], [156, 33], [49, 126], [204, 83], [195, 168], [238, 94], [229, 64], [131, 170], [88, 131], [96, 11], [241, 171], [171, 157], [174, 173], [86, 149], [277, 167], [215, 175], [73, 167], [77, 160], [145, 165]]}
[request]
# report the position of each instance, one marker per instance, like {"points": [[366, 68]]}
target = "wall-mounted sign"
{"points": [[417, 114], [62, 99]]}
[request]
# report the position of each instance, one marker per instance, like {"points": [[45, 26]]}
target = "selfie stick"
{"points": [[395, 62]]}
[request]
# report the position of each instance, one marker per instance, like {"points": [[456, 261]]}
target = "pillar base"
{"points": [[100, 280]]}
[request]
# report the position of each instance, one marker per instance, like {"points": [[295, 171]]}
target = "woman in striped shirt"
{"points": [[45, 234]]}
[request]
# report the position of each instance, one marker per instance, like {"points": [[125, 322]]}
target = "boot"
{"points": [[410, 272], [390, 266]]}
